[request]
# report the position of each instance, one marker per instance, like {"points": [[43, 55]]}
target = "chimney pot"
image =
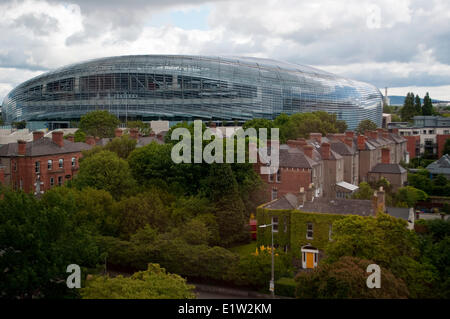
{"points": [[349, 141], [57, 137], [71, 138]]}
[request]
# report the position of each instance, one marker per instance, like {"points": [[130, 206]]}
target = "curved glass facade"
{"points": [[172, 87]]}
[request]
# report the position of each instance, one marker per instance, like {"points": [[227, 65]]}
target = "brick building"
{"points": [[39, 165], [335, 164]]}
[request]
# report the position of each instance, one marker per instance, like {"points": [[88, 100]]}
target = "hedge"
{"points": [[285, 287]]}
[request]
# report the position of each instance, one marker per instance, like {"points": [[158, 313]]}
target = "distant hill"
{"points": [[400, 100]]}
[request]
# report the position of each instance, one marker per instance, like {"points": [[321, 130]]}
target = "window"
{"points": [[309, 231], [52, 181], [60, 180], [74, 161], [275, 224], [49, 165], [270, 177], [61, 163], [274, 193], [15, 166], [279, 176], [37, 167]]}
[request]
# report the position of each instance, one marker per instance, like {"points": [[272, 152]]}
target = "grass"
{"points": [[244, 250]]}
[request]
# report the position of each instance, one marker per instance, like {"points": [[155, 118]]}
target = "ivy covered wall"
{"points": [[295, 235]]}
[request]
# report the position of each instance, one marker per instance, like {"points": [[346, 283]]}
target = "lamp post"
{"points": [[272, 280]]}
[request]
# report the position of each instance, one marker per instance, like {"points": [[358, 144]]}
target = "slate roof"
{"points": [[388, 168], [441, 166], [291, 157], [143, 141], [43, 146], [325, 205], [339, 206], [398, 212]]}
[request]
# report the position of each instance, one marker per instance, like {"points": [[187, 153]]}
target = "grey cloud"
{"points": [[40, 24]]}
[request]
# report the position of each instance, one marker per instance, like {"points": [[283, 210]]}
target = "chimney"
{"points": [[152, 133], [301, 142], [373, 134], [159, 136], [349, 141], [361, 142], [37, 135], [308, 150], [295, 144], [90, 140], [316, 136], [22, 146], [385, 135], [117, 132], [71, 138], [57, 137], [395, 131], [385, 155], [350, 134], [340, 137], [379, 201], [380, 132], [134, 133], [325, 151]]}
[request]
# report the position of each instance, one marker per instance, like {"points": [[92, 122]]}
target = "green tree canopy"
{"points": [[346, 278], [105, 170], [122, 146], [408, 110], [427, 108], [154, 283], [365, 125], [99, 124], [144, 128]]}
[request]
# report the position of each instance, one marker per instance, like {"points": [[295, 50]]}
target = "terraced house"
{"points": [[335, 164]]}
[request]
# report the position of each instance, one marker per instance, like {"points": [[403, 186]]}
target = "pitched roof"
{"points": [[339, 206], [291, 157], [388, 168], [43, 146], [143, 141], [441, 166], [399, 212]]}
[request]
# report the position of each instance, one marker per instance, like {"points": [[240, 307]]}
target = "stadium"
{"points": [[176, 87]]}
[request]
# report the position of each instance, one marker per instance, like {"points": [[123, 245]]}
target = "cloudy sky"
{"points": [[402, 44]]}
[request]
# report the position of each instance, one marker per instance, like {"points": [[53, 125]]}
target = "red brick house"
{"points": [[41, 164]]}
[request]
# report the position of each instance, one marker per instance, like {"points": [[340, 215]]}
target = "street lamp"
{"points": [[272, 283]]}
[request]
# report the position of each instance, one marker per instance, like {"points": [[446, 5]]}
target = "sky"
{"points": [[401, 44]]}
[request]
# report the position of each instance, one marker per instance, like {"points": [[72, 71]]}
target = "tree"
{"points": [[408, 110], [122, 146], [143, 209], [365, 191], [346, 278], [99, 124], [37, 243], [154, 283], [105, 170], [20, 125], [446, 147], [144, 128], [80, 136], [230, 210], [410, 195], [427, 108], [418, 105], [365, 125]]}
